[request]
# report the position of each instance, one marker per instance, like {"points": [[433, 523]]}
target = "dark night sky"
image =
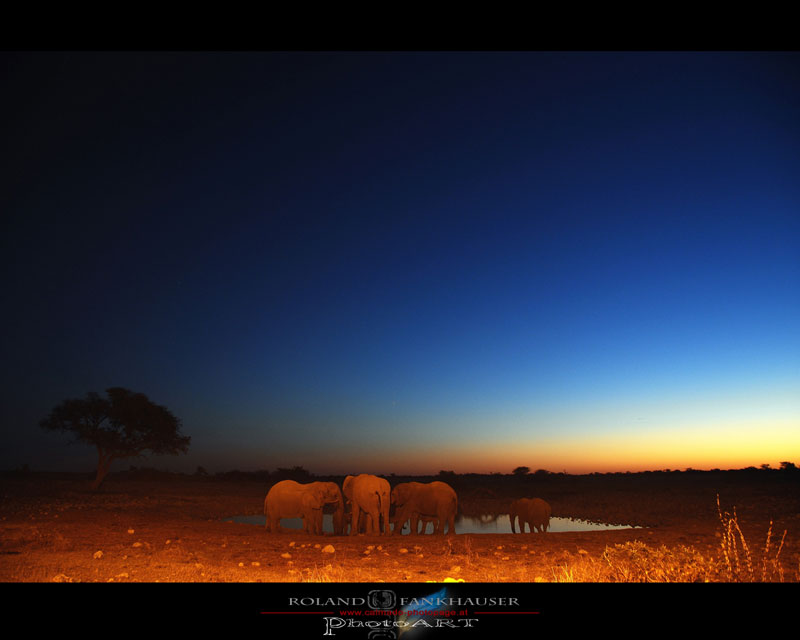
{"points": [[390, 262]]}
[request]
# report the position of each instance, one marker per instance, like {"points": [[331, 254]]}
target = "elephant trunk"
{"points": [[338, 518]]}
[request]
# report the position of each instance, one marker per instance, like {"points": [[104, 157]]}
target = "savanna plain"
{"points": [[148, 526]]}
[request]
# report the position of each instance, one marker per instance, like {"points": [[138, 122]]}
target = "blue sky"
{"points": [[579, 261]]}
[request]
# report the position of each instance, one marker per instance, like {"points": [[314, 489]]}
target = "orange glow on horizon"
{"points": [[730, 446]]}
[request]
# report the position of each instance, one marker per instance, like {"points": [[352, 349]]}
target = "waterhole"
{"points": [[464, 524]]}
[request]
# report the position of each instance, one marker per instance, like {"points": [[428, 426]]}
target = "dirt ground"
{"points": [[54, 529]]}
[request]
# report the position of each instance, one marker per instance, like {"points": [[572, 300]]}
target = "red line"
{"points": [[505, 613], [297, 613]]}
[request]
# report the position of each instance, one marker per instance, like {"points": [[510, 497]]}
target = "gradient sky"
{"points": [[407, 262]]}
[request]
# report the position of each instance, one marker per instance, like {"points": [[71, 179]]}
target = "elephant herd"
{"points": [[365, 501], [368, 499]]}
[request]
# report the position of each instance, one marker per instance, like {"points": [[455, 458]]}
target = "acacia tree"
{"points": [[124, 425]]}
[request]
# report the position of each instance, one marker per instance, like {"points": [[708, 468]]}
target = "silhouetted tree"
{"points": [[297, 473], [124, 425], [788, 466], [521, 471]]}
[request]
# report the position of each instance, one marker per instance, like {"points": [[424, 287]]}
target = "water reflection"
{"points": [[502, 524], [464, 524]]}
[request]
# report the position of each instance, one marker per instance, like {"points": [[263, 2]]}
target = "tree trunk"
{"points": [[103, 464]]}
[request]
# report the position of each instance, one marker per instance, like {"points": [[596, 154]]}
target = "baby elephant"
{"points": [[535, 511]]}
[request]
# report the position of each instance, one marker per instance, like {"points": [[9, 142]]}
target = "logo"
{"points": [[379, 599], [387, 614]]}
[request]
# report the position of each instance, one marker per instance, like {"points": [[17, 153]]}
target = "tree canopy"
{"points": [[123, 425]]}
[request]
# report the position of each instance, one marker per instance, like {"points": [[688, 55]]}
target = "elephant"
{"points": [[368, 494], [398, 526], [290, 499], [434, 500], [535, 511], [364, 519]]}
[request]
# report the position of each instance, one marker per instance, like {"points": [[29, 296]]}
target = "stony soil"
{"points": [[54, 529]]}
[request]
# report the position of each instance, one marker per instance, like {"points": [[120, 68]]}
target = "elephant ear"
{"points": [[313, 498], [329, 493], [398, 495], [347, 488]]}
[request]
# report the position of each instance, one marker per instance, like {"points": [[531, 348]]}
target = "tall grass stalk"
{"points": [[737, 556], [635, 561]]}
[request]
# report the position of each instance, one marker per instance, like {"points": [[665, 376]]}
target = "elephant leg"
{"points": [[396, 525], [374, 522], [384, 515], [338, 522], [400, 517], [405, 518], [447, 523], [316, 522], [354, 520]]}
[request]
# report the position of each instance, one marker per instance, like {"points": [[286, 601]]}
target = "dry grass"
{"points": [[182, 539], [637, 562], [743, 565]]}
